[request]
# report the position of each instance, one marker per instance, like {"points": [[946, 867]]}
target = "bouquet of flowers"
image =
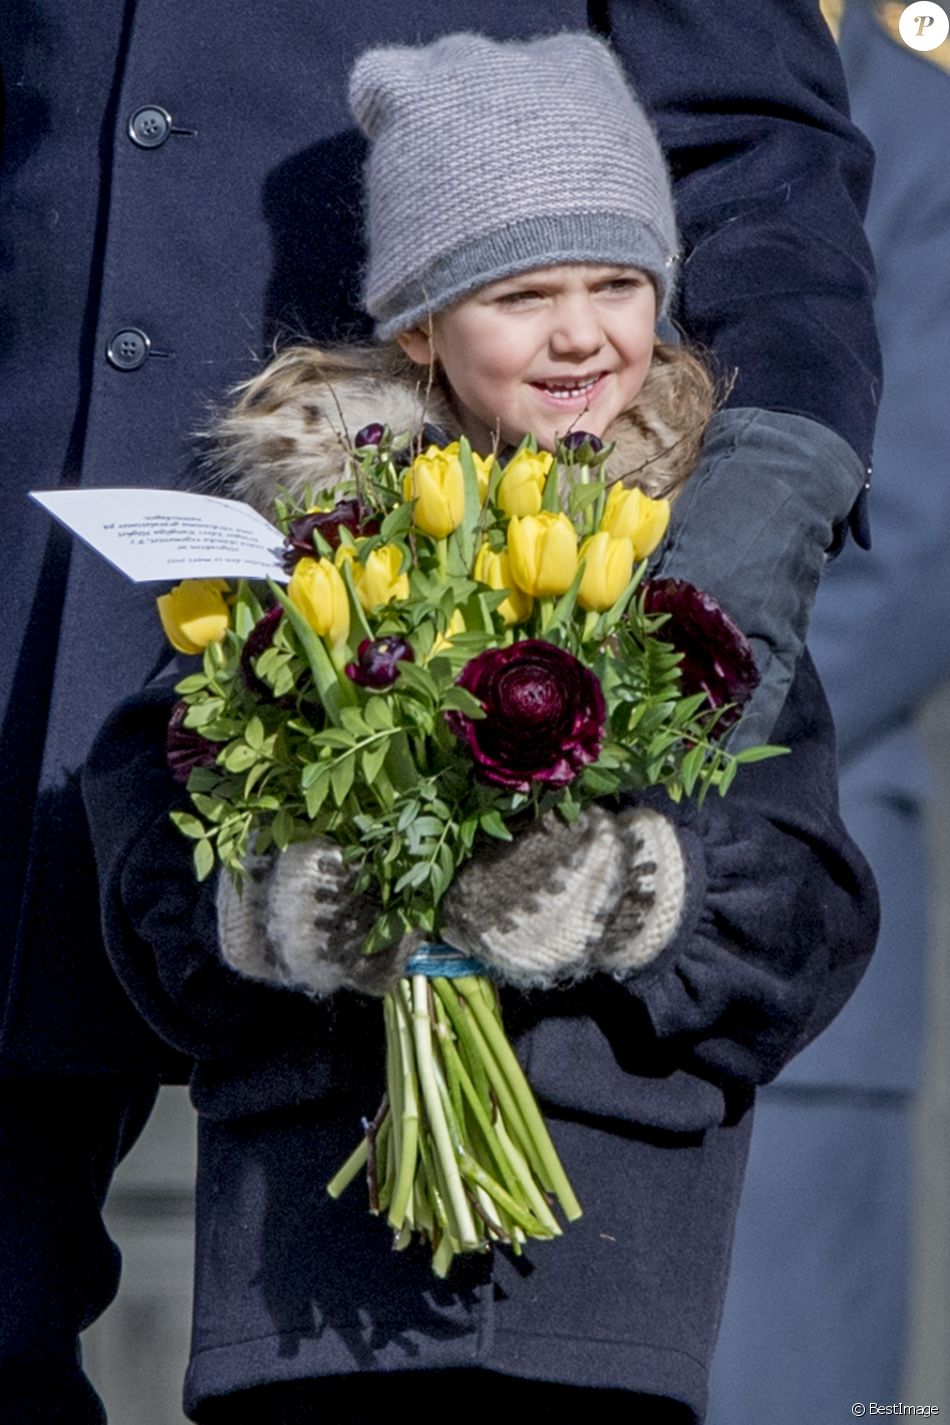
{"points": [[465, 644]]}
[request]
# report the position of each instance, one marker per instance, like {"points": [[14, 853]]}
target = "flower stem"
{"points": [[408, 1114], [354, 1163], [456, 1199], [538, 1133]]}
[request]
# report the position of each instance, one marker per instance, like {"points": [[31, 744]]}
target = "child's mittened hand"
{"points": [[298, 924], [561, 901]]}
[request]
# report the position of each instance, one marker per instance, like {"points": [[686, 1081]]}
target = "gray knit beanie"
{"points": [[488, 159]]}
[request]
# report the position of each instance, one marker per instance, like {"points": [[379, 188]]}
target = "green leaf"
{"points": [[204, 860], [209, 807], [463, 701], [492, 823], [691, 767], [353, 721], [332, 737], [378, 712], [415, 876], [341, 778], [195, 683], [601, 783], [359, 628], [372, 760], [315, 796], [583, 496], [282, 829], [417, 680], [254, 733], [189, 825], [397, 523], [312, 772], [239, 757], [200, 714], [760, 753]]}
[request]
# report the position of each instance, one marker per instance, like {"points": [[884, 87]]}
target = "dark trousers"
{"points": [[366, 1399], [60, 1141]]}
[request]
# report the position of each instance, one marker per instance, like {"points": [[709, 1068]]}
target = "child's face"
{"points": [[548, 351]]}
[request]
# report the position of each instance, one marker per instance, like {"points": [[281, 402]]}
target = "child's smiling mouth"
{"points": [[574, 391]]}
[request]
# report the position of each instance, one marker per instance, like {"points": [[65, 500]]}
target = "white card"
{"points": [[168, 535]]}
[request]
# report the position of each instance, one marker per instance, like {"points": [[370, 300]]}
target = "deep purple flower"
{"points": [[717, 657], [576, 440], [346, 514], [185, 748], [377, 661], [258, 641], [545, 715], [369, 435]]}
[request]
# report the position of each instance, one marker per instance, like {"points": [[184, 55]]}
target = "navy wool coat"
{"points": [[649, 1083], [180, 186]]}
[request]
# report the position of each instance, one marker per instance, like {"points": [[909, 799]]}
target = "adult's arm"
{"points": [[772, 181]]}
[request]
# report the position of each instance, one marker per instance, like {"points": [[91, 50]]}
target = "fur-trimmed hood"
{"points": [[293, 424]]}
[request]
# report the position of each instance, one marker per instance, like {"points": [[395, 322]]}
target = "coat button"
{"points": [[128, 349], [150, 126]]}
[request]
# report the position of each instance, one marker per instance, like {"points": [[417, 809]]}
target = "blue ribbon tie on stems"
{"points": [[443, 962]]}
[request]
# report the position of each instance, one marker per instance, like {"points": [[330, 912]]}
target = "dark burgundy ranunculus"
{"points": [[717, 657], [377, 661], [347, 514], [185, 748], [545, 715], [258, 641], [369, 435]]}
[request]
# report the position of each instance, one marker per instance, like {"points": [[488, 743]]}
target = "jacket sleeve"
{"points": [[771, 184], [781, 910]]}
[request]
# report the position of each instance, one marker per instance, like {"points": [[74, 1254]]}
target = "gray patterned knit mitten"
{"points": [[298, 924], [562, 901]]}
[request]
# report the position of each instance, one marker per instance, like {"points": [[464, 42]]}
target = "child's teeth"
{"points": [[570, 389]]}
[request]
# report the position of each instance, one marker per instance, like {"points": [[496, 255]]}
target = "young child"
{"points": [[662, 961]]}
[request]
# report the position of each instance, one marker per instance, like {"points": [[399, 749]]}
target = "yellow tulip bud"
{"points": [[608, 565], [542, 550], [630, 514], [522, 485], [436, 485], [318, 591], [483, 468], [493, 567], [194, 614], [377, 578]]}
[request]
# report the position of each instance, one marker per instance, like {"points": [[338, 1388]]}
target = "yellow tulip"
{"points": [[443, 640], [493, 567], [608, 564], [522, 484], [194, 614], [436, 485], [317, 589], [377, 579], [630, 514], [542, 550]]}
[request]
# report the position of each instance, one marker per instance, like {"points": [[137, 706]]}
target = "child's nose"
{"points": [[576, 330]]}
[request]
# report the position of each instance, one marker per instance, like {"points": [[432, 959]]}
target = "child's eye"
{"points": [[621, 285], [519, 297]]}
